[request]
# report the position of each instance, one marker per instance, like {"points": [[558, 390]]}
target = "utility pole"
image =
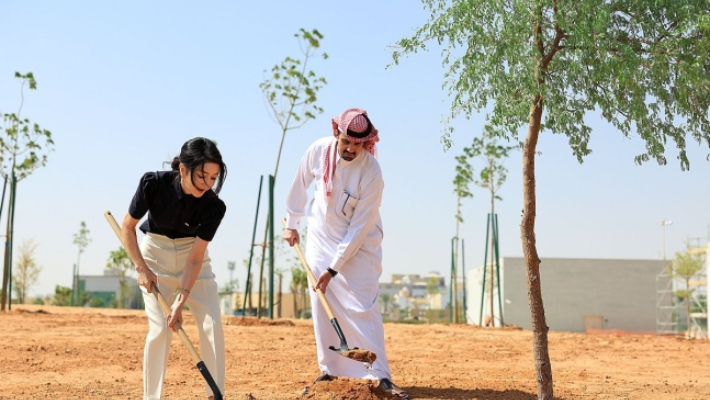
{"points": [[664, 223]]}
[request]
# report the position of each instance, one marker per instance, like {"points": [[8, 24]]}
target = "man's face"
{"points": [[347, 149]]}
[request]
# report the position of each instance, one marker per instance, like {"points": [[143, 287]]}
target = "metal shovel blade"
{"points": [[364, 356]]}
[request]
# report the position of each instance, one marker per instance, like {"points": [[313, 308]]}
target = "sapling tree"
{"points": [[291, 92], [550, 66], [24, 147]]}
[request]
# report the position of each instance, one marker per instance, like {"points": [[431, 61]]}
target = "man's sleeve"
{"points": [[297, 198]]}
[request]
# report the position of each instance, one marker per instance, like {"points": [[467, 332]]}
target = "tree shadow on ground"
{"points": [[469, 394]]}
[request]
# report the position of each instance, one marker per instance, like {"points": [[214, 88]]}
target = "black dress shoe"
{"points": [[324, 377], [393, 390]]}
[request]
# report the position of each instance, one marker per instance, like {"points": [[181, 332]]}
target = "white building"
{"points": [[578, 294], [413, 294], [107, 288]]}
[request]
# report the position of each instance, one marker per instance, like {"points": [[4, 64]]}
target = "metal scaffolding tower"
{"points": [[698, 328], [667, 309]]}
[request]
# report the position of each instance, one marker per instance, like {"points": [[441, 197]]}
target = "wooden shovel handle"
{"points": [[312, 276]]}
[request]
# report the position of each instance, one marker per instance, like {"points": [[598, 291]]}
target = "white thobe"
{"points": [[345, 234]]}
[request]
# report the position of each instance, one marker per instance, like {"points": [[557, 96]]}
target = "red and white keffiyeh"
{"points": [[355, 124]]}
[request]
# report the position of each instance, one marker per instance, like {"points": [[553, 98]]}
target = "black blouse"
{"points": [[173, 213]]}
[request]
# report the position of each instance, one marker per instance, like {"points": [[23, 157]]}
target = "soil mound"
{"points": [[252, 321], [344, 389]]}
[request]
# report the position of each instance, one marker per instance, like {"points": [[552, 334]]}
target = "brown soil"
{"points": [[361, 355], [75, 353]]}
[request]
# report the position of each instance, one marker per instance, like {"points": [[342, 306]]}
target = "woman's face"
{"points": [[199, 180]]}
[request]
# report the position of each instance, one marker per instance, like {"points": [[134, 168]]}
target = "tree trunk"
{"points": [[455, 279], [493, 275], [261, 274], [294, 290], [249, 303], [455, 272], [5, 271], [278, 310], [687, 308], [263, 299], [8, 253], [687, 311], [543, 368], [122, 286], [492, 244]]}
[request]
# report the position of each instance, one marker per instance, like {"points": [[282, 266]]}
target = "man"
{"points": [[344, 243]]}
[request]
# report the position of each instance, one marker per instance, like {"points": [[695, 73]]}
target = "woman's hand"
{"points": [[146, 277], [175, 315], [323, 281]]}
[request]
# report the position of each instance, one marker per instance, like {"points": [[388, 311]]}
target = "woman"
{"points": [[184, 213]]}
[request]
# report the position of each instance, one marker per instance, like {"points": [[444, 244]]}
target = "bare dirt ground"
{"points": [[75, 353]]}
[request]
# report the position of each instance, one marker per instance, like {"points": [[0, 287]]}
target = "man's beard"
{"points": [[348, 156]]}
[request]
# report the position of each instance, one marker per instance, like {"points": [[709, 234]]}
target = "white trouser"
{"points": [[166, 258]]}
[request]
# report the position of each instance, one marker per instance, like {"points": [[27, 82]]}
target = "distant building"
{"points": [[413, 296], [104, 290], [578, 294], [406, 296], [291, 305]]}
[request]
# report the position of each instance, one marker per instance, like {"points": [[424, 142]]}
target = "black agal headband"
{"points": [[363, 134]]}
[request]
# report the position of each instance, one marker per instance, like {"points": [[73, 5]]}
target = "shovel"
{"points": [[364, 356], [178, 327]]}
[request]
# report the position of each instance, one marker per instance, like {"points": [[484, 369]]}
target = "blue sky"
{"points": [[122, 85]]}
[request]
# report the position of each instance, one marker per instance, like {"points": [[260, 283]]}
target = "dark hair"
{"points": [[195, 153]]}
